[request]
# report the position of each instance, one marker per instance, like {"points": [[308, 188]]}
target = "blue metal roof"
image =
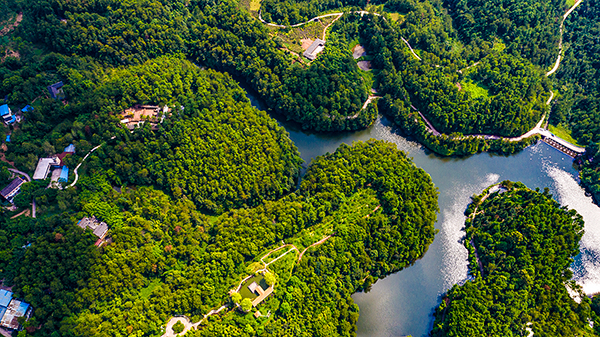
{"points": [[7, 138], [64, 174], [27, 108], [4, 110], [2, 311], [70, 148], [5, 297]]}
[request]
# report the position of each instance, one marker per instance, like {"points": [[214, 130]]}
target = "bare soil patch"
{"points": [[10, 27], [306, 43], [364, 65], [358, 51]]}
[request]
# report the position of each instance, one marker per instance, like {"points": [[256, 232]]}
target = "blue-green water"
{"points": [[402, 304]]}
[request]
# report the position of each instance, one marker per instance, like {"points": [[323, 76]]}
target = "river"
{"points": [[402, 303]]}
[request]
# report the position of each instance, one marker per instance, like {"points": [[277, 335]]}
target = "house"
{"points": [[256, 289], [98, 227], [315, 48], [10, 191], [14, 310], [6, 114], [11, 309], [43, 167], [56, 91]]}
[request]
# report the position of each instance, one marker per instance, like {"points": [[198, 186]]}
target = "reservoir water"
{"points": [[402, 303]]}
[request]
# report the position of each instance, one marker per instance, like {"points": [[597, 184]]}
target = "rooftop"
{"points": [[9, 190], [43, 167], [4, 110], [315, 48], [5, 297], [98, 227], [14, 310]]}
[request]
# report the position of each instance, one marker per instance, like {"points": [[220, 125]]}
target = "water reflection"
{"points": [[402, 303]]}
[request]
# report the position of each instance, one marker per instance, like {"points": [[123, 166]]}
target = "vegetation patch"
{"points": [[475, 89], [521, 244], [563, 132]]}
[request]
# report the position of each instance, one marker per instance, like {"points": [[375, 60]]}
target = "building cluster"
{"points": [[11, 309], [54, 164], [11, 191], [99, 228], [140, 114]]}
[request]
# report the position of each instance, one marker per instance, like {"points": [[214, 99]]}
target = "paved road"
{"points": [[21, 173], [560, 41]]}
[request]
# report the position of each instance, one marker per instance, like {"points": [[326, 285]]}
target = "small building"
{"points": [[11, 309], [256, 289], [98, 227], [27, 108], [56, 91], [14, 310], [64, 175], [314, 49], [6, 114], [43, 167], [8, 138], [10, 191]]}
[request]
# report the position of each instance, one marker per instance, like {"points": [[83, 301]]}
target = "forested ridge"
{"points": [[521, 244], [166, 258]]}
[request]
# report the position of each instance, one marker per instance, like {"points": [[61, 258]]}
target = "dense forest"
{"points": [[521, 244], [166, 258]]}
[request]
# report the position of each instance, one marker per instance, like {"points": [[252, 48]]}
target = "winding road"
{"points": [[84, 158], [560, 41]]}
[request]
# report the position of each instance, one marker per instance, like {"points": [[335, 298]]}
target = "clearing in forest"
{"points": [[475, 89], [563, 132]]}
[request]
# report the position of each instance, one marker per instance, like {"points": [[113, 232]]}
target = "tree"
{"points": [[270, 278], [236, 298], [246, 304], [178, 327]]}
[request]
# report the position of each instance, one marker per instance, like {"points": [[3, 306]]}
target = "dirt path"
{"points": [[302, 23], [314, 245], [84, 158], [560, 41], [331, 23], [188, 325]]}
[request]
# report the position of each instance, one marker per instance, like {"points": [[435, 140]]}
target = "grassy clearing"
{"points": [[563, 132], [254, 5], [396, 16], [259, 279], [291, 38], [570, 3], [147, 291], [475, 89]]}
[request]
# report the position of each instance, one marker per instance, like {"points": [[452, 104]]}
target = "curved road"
{"points": [[84, 158], [560, 42]]}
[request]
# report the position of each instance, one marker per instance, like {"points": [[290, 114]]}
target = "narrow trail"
{"points": [[298, 24], [560, 41], [411, 49], [84, 158], [314, 245], [331, 23]]}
